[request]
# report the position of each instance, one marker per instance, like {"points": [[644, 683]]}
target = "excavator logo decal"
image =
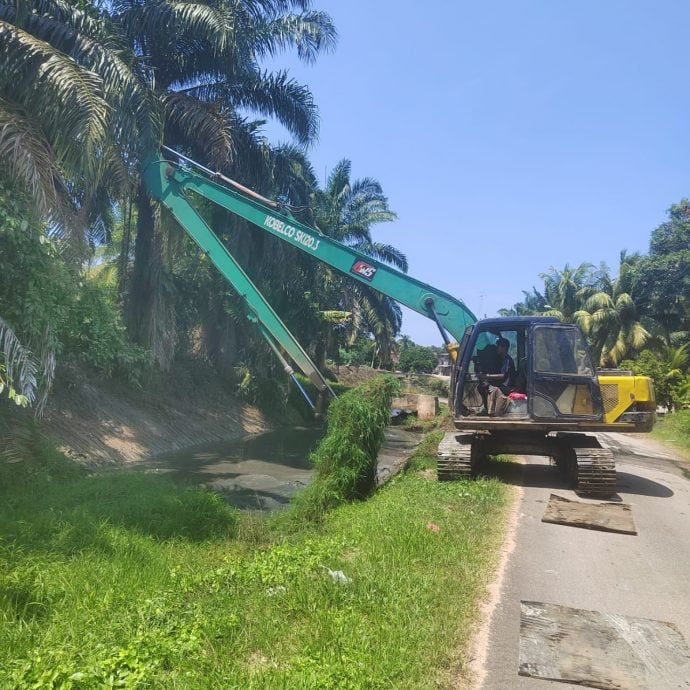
{"points": [[292, 233], [363, 269]]}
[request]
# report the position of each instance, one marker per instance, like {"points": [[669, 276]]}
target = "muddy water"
{"points": [[258, 472], [263, 472]]}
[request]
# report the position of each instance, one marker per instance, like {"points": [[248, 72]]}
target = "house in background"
{"points": [[444, 366]]}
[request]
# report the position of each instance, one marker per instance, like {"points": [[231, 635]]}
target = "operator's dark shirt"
{"points": [[507, 383]]}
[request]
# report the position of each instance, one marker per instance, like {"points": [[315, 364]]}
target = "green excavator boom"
{"points": [[170, 182], [257, 307]]}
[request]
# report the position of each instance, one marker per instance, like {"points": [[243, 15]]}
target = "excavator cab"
{"points": [[553, 378], [554, 395]]}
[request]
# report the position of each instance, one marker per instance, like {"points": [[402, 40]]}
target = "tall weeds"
{"points": [[345, 460]]}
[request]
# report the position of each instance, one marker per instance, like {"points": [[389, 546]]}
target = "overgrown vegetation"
{"points": [[345, 460], [418, 359], [443, 420], [426, 385], [132, 581], [56, 309], [669, 368], [675, 428]]}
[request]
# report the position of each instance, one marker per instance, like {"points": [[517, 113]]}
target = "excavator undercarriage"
{"points": [[587, 466]]}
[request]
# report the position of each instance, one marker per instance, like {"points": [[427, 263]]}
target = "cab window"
{"points": [[561, 351]]}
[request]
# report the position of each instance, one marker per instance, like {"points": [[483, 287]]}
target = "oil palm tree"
{"points": [[206, 57], [533, 303], [346, 210], [74, 103]]}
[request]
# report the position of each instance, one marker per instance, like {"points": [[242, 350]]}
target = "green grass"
{"points": [[132, 581], [675, 428], [443, 420]]}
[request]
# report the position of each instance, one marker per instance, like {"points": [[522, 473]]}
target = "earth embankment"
{"points": [[100, 422]]}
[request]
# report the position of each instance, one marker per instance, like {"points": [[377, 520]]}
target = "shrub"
{"points": [[345, 460], [438, 387], [93, 333], [52, 305], [26, 458], [419, 359]]}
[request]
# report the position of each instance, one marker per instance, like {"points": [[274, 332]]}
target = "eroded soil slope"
{"points": [[99, 422]]}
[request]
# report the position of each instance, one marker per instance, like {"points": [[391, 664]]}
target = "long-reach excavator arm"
{"points": [[170, 182], [257, 307]]}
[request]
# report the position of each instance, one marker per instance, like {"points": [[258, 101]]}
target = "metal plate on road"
{"points": [[601, 650], [605, 517]]}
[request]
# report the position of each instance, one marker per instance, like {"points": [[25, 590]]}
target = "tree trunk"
{"points": [[123, 263], [150, 308], [141, 288]]}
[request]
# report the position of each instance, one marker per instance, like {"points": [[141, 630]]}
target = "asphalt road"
{"points": [[647, 575]]}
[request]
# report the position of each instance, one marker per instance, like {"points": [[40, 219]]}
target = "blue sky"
{"points": [[508, 135]]}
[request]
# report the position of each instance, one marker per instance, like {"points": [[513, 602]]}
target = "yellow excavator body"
{"points": [[626, 397]]}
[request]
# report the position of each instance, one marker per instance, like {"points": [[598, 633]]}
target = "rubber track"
{"points": [[454, 459], [596, 472]]}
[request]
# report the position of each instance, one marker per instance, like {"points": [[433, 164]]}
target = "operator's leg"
{"points": [[497, 402], [483, 389]]}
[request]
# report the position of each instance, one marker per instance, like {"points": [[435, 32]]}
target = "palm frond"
{"points": [[278, 95], [638, 336], [28, 156], [678, 357], [188, 118], [625, 306], [597, 301], [553, 312], [21, 367], [584, 320], [339, 179], [65, 98], [190, 21], [311, 33]]}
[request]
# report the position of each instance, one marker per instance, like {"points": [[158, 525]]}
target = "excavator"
{"points": [[559, 394]]}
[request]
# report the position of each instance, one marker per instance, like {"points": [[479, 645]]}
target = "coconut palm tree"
{"points": [[613, 327], [609, 318], [564, 290]]}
